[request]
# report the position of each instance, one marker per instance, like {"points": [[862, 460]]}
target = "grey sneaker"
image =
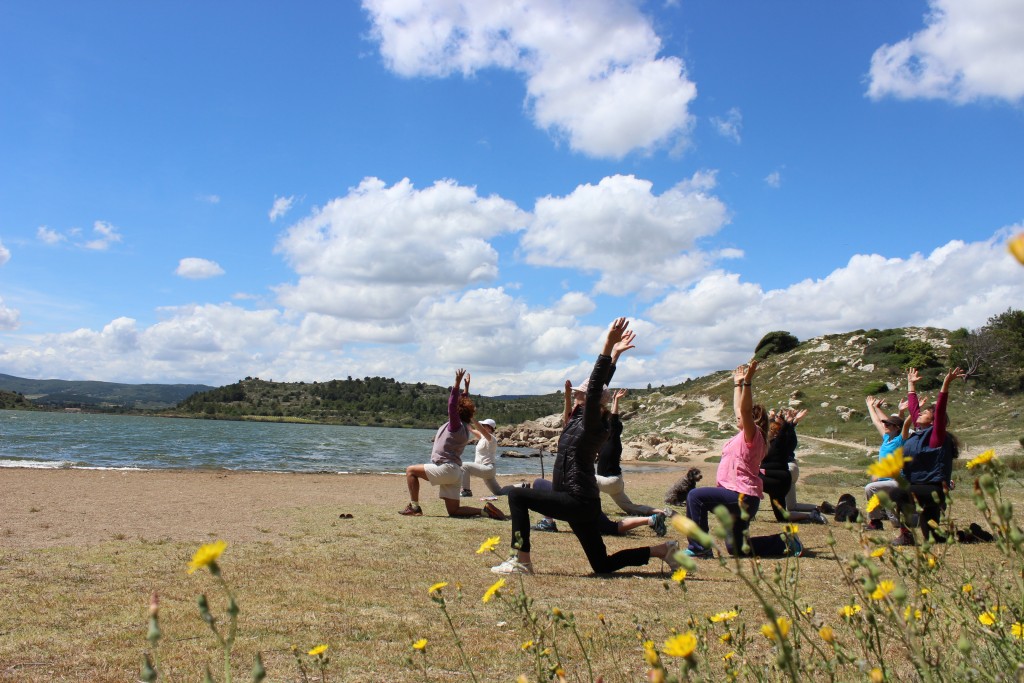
{"points": [[545, 524], [658, 524], [465, 493], [705, 554], [513, 566], [816, 517]]}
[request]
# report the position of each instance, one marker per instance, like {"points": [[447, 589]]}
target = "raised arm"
{"points": [[912, 403], [620, 393], [454, 422], [567, 410], [874, 408], [743, 399], [939, 419], [623, 345]]}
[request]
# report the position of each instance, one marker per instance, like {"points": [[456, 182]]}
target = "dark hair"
{"points": [[467, 409], [954, 444]]}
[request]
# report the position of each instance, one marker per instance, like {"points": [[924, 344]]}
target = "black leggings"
{"points": [[776, 486], [931, 498], [584, 518]]}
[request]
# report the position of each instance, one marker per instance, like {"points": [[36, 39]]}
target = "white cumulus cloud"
{"points": [[281, 206], [593, 71], [5, 254], [376, 253], [636, 240], [194, 268], [774, 179], [968, 50]]}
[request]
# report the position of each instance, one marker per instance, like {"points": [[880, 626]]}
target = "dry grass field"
{"points": [[81, 552]]}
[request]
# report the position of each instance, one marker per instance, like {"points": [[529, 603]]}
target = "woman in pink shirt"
{"points": [[738, 482]]}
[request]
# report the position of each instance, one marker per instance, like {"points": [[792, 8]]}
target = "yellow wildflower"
{"points": [[878, 552], [420, 644], [1016, 247], [909, 613], [778, 630], [681, 645], [873, 503], [436, 587], [876, 675], [932, 562], [925, 591], [826, 634], [679, 575], [650, 654], [724, 616], [207, 556], [1017, 630], [888, 467], [987, 618], [967, 588], [727, 656], [809, 611], [318, 650], [528, 645], [849, 610], [522, 679], [488, 545], [882, 590], [725, 637], [792, 529], [493, 590], [981, 459]]}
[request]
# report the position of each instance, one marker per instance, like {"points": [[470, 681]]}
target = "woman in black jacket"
{"points": [[574, 497]]}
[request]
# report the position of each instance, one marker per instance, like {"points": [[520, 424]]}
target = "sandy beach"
{"points": [[43, 508]]}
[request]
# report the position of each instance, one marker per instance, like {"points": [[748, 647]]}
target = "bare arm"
{"points": [[743, 399], [567, 411], [620, 393], [874, 410]]}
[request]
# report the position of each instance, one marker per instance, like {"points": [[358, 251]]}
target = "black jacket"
{"points": [[581, 440]]}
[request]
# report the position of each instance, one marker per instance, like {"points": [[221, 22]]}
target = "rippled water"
{"points": [[44, 439]]}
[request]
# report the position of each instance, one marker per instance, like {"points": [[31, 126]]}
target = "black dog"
{"points": [[676, 494], [846, 509]]}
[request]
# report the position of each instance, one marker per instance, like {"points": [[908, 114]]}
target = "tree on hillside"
{"points": [[774, 343], [993, 354]]}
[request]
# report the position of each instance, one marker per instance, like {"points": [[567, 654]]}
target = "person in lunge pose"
{"points": [[738, 484], [482, 466], [445, 467], [779, 469], [574, 497]]}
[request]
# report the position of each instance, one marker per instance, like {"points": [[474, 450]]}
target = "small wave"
{"points": [[38, 464]]}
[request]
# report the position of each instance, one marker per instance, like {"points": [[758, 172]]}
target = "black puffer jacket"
{"points": [[581, 440]]}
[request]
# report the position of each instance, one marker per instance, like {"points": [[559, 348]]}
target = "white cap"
{"points": [[489, 422]]}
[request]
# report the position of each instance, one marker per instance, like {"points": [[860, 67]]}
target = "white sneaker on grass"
{"points": [[513, 566], [670, 555]]}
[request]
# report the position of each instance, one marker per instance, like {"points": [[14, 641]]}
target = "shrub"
{"points": [[774, 343], [876, 388]]}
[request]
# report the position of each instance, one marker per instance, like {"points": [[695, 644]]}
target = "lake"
{"points": [[52, 440]]}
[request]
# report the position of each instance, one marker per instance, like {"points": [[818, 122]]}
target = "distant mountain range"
{"points": [[68, 394]]}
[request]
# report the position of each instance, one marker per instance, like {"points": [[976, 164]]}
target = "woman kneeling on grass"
{"points": [[574, 497], [738, 481], [445, 467]]}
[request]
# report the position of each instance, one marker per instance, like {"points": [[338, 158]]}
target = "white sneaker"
{"points": [[513, 566], [670, 555]]}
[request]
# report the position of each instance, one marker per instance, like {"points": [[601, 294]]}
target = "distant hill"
{"points": [[375, 401], [10, 400], [72, 394]]}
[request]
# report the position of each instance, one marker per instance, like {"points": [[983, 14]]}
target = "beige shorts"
{"points": [[447, 477]]}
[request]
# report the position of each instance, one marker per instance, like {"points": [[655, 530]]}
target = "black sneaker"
{"points": [[545, 525], [466, 493]]}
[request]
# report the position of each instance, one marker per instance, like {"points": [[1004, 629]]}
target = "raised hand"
{"points": [[913, 377], [459, 374], [738, 374], [620, 393], [623, 345], [467, 382], [954, 373], [751, 369]]}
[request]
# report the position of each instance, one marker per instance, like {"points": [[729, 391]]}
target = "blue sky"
{"points": [[199, 192]]}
